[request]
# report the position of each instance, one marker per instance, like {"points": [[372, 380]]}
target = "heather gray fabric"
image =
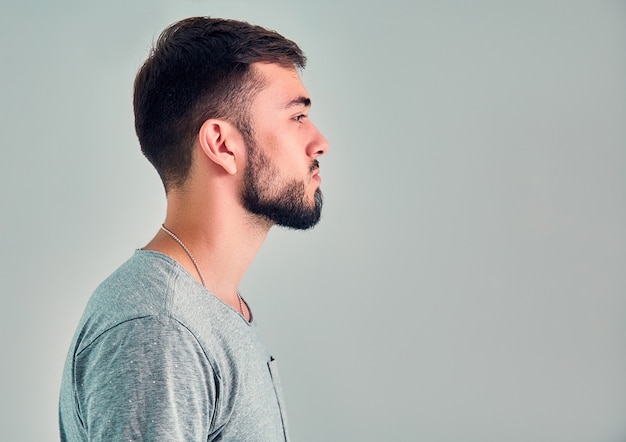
{"points": [[158, 357]]}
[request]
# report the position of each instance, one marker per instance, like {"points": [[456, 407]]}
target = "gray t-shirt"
{"points": [[158, 357]]}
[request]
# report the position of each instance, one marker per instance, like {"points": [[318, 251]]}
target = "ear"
{"points": [[221, 143]]}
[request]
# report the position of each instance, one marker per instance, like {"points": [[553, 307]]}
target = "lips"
{"points": [[315, 170]]}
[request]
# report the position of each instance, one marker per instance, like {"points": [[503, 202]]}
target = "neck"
{"points": [[223, 238]]}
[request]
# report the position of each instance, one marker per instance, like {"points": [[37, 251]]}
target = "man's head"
{"points": [[201, 68]]}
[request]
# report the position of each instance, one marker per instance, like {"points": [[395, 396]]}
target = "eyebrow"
{"points": [[304, 101]]}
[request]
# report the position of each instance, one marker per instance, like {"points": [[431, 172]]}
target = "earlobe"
{"points": [[216, 138]]}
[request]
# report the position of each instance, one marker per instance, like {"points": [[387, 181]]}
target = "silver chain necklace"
{"points": [[195, 264]]}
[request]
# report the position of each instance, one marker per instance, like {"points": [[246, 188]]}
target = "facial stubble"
{"points": [[268, 196]]}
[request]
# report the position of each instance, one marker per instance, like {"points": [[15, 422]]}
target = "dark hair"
{"points": [[200, 69]]}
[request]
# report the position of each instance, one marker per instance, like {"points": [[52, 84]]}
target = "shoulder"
{"points": [[139, 288], [149, 369], [145, 273]]}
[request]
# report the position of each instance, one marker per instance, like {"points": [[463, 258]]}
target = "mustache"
{"points": [[314, 166]]}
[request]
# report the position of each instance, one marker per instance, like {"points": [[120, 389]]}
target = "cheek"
{"points": [[285, 149]]}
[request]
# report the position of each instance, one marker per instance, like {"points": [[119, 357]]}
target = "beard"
{"points": [[266, 195]]}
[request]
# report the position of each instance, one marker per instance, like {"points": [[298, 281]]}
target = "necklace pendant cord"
{"points": [[195, 264]]}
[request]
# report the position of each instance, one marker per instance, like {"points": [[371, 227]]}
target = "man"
{"points": [[167, 349]]}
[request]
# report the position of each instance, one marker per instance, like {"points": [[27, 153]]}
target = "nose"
{"points": [[319, 145]]}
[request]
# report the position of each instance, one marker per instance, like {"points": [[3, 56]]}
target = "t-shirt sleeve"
{"points": [[146, 379]]}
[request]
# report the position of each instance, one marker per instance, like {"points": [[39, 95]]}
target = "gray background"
{"points": [[468, 280]]}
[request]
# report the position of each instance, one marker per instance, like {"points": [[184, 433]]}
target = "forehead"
{"points": [[282, 86]]}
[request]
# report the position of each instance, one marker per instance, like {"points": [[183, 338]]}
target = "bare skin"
{"points": [[207, 212]]}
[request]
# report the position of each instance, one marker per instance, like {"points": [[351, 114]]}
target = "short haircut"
{"points": [[199, 69]]}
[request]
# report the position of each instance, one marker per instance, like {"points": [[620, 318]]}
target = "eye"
{"points": [[300, 118]]}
